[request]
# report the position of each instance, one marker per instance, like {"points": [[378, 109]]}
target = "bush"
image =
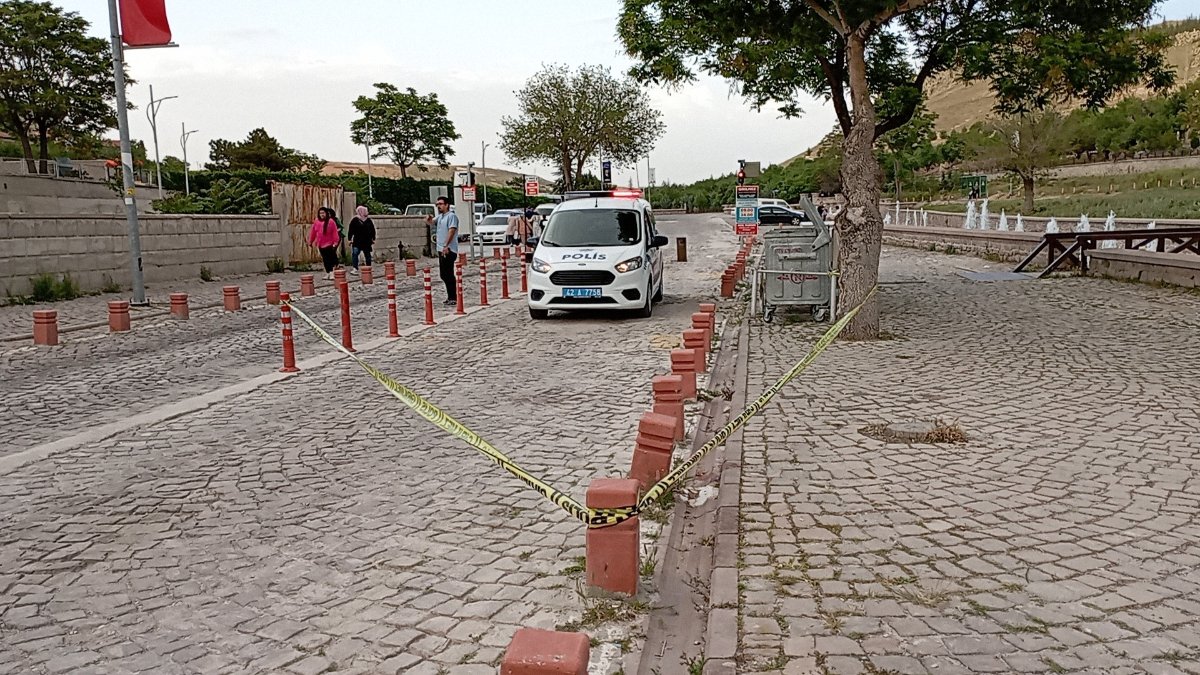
{"points": [[234, 196], [205, 274], [110, 286], [179, 203], [275, 265], [48, 289]]}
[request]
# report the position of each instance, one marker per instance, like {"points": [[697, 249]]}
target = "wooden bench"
{"points": [[1178, 269]]}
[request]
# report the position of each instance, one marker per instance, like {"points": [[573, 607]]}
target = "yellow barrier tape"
{"points": [[590, 517], [445, 422]]}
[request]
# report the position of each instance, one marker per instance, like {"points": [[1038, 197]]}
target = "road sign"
{"points": [[746, 192], [468, 193], [650, 175], [606, 172], [746, 229], [531, 186], [746, 210]]}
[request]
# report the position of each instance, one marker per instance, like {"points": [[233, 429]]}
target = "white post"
{"points": [[183, 138], [152, 116], [131, 214]]}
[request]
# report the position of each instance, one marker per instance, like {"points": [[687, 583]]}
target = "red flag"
{"points": [[144, 23]]}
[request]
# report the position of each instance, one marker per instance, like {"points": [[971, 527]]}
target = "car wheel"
{"points": [[658, 296], [538, 314], [647, 309]]}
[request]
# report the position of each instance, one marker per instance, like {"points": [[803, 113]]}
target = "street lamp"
{"points": [[370, 185], [152, 116], [187, 187], [483, 170]]}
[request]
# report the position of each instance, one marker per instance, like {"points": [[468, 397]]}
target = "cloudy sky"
{"points": [[294, 66]]}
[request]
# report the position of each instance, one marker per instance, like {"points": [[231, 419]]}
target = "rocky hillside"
{"points": [[490, 176]]}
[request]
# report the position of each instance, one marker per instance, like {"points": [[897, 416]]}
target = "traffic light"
{"points": [[741, 176], [471, 178]]}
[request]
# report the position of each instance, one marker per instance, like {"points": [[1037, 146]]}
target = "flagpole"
{"points": [[131, 214]]}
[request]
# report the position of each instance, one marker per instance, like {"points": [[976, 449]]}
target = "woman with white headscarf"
{"points": [[361, 236]]}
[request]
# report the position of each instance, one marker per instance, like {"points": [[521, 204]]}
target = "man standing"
{"points": [[447, 246]]}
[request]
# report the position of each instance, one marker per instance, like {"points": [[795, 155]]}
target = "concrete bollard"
{"points": [[410, 268], [612, 552], [389, 269], [118, 316], [232, 296], [709, 308], [45, 327], [273, 291], [668, 400], [683, 363], [179, 306], [653, 448], [697, 339], [308, 285], [339, 276], [546, 652], [727, 284], [681, 249], [495, 251], [704, 321], [367, 275]]}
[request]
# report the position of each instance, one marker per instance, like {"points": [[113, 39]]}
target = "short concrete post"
{"points": [[546, 652], [339, 276], [45, 327], [612, 552], [179, 306], [367, 275], [118, 316], [389, 269], [710, 308], [273, 291], [232, 296], [653, 448], [681, 249], [704, 321], [697, 339], [727, 283], [308, 286], [668, 399], [683, 363], [410, 268]]}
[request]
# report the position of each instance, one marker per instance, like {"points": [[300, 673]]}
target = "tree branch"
{"points": [[905, 114], [837, 92], [887, 14], [839, 26]]}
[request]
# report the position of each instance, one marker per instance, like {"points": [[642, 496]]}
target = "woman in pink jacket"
{"points": [[324, 235]]}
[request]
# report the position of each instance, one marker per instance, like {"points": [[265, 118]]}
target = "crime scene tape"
{"points": [[590, 517]]}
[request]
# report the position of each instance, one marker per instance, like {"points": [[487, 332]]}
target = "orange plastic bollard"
{"points": [[45, 327], [179, 306], [289, 344], [504, 277], [524, 276], [459, 305], [483, 299], [344, 298], [428, 298], [118, 316]]}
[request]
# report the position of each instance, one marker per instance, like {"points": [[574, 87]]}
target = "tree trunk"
{"points": [[404, 171], [44, 149], [860, 224], [568, 178], [27, 150], [1027, 183]]}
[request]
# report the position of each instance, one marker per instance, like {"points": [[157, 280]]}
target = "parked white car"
{"points": [[598, 251], [492, 229]]}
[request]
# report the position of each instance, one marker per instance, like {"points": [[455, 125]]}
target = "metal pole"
{"points": [[152, 117], [370, 185], [183, 142], [131, 215], [482, 170]]}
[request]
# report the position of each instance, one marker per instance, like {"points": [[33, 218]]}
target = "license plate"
{"points": [[582, 293]]}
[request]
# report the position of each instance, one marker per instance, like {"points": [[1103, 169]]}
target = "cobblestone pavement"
{"points": [[315, 524], [94, 377], [1062, 537]]}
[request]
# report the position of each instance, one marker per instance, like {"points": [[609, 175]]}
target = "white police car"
{"points": [[598, 250]]}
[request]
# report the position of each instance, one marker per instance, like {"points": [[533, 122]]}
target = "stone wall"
{"points": [[1179, 269], [392, 230], [1003, 245], [50, 196], [942, 219], [95, 249]]}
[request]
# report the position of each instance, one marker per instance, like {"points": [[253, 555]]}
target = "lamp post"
{"points": [[131, 214], [152, 116], [370, 185], [187, 187], [482, 170]]}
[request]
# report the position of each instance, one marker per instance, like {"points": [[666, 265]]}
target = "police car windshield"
{"points": [[592, 227]]}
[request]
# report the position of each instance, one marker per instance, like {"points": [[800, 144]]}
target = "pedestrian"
{"points": [[325, 236], [361, 236], [447, 246], [525, 226], [512, 233], [535, 224]]}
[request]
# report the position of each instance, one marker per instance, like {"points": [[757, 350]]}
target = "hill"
{"points": [[492, 177]]}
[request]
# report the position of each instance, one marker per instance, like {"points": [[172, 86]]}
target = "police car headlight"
{"points": [[540, 265], [629, 265]]}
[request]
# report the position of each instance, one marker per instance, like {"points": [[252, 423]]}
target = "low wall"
{"points": [[43, 195], [392, 230], [1003, 245], [95, 249], [943, 219], [1179, 269]]}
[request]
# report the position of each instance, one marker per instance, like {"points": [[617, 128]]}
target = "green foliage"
{"points": [[276, 265], [404, 126], [179, 203], [110, 286], [567, 117], [47, 288], [234, 196], [259, 151], [55, 80], [205, 273]]}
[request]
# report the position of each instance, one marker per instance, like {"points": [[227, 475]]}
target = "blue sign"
{"points": [[606, 171]]}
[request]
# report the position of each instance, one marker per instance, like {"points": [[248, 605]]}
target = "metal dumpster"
{"points": [[797, 267]]}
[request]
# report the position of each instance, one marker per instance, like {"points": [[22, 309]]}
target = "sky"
{"points": [[294, 67]]}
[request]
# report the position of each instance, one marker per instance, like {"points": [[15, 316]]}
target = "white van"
{"points": [[599, 250]]}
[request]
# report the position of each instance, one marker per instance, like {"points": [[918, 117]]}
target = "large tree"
{"points": [[260, 150], [1026, 145], [55, 82], [566, 118], [404, 126], [872, 60]]}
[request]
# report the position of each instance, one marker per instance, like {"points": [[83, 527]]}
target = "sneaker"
{"points": [[354, 271], [329, 276], [450, 303]]}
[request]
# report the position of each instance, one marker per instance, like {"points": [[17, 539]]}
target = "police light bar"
{"points": [[628, 193]]}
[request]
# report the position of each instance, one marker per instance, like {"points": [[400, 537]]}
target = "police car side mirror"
{"points": [[660, 241]]}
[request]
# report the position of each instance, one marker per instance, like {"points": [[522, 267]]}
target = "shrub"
{"points": [[110, 286], [205, 274], [234, 196], [275, 265], [43, 288], [179, 203]]}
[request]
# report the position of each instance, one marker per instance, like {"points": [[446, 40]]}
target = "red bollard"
{"points": [[179, 305], [545, 652], [118, 316], [344, 295], [273, 292], [428, 298], [668, 400], [504, 276], [683, 363], [495, 251], [611, 553], [339, 276], [710, 308], [393, 320], [45, 327], [389, 268], [524, 276], [458, 284], [704, 321], [410, 268], [289, 345], [307, 285], [232, 295], [367, 275], [697, 339], [483, 301], [652, 451]]}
